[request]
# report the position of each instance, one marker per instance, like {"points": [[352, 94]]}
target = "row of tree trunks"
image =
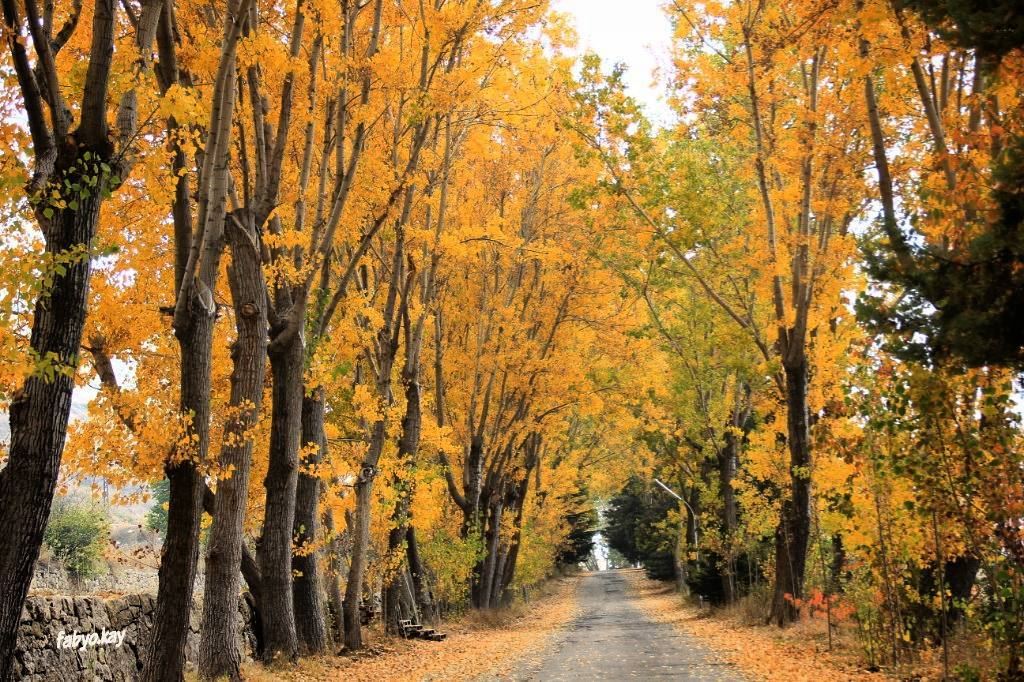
{"points": [[506, 494]]}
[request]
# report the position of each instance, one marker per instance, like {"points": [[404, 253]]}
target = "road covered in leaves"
{"points": [[613, 638]]}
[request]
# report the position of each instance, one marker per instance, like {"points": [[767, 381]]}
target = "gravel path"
{"points": [[613, 639]]}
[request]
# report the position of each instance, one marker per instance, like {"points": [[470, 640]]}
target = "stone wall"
{"points": [[43, 620]]}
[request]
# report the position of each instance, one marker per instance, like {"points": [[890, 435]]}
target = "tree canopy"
{"points": [[406, 300]]}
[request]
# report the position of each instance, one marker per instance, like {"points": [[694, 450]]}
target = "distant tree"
{"points": [[993, 27], [76, 534], [636, 527], [583, 523], [616, 560], [622, 518], [156, 517]]}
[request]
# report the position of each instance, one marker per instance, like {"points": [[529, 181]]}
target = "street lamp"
{"points": [[696, 519]]}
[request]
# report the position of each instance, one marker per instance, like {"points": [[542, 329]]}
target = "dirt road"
{"points": [[613, 639]]}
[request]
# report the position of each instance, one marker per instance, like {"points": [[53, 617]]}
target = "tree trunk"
{"points": [[507, 566], [473, 480], [490, 563], [39, 410], [960, 575], [333, 575], [726, 474], [310, 612], [424, 597], [387, 347], [360, 544], [794, 529], [837, 564], [394, 590], [219, 654], [408, 448], [165, 656], [396, 546], [39, 418], [399, 602], [275, 548], [194, 317], [408, 599], [250, 569]]}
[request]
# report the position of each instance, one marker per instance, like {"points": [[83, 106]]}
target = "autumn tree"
{"points": [[953, 248], [76, 165]]}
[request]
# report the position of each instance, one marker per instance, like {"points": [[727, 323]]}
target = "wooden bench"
{"points": [[410, 630]]}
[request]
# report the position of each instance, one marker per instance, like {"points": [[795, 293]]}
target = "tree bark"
{"points": [[275, 548], [421, 587], [165, 656], [39, 419], [39, 411], [492, 540], [195, 312], [728, 458], [307, 588], [507, 566], [408, 449], [393, 594], [794, 529], [360, 543], [333, 576], [473, 481], [219, 654], [250, 570], [726, 472]]}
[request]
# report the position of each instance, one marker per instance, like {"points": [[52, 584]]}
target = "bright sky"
{"points": [[634, 32]]}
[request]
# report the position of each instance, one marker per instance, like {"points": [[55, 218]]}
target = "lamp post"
{"points": [[696, 520]]}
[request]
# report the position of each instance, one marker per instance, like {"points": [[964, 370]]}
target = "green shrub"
{"points": [[76, 534], [156, 517]]}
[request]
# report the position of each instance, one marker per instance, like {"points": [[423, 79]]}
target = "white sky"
{"points": [[634, 32]]}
